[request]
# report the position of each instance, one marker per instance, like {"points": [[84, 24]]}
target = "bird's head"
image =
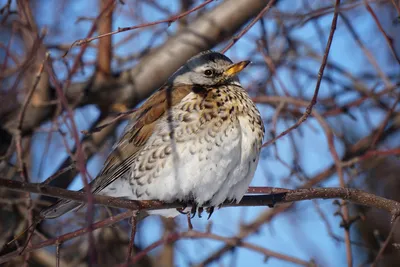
{"points": [[209, 69]]}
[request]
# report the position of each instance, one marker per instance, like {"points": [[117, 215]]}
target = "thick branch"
{"points": [[133, 85], [354, 195]]}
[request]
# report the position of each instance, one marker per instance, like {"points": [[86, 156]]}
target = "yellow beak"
{"points": [[236, 68]]}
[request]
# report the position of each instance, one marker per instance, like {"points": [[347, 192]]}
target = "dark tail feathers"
{"points": [[59, 208]]}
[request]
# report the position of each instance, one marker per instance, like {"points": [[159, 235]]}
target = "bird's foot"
{"points": [[182, 210], [196, 210]]}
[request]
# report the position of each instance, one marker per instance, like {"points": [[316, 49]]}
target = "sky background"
{"points": [[300, 233]]}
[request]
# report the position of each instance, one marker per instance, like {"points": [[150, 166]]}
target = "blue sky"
{"points": [[300, 233]]}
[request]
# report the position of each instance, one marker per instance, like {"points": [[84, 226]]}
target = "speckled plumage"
{"points": [[193, 140]]}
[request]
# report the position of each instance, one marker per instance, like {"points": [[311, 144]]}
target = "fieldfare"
{"points": [[196, 140]]}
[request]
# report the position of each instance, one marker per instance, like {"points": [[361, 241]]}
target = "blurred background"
{"points": [[52, 90]]}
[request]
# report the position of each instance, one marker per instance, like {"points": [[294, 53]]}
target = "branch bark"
{"points": [[354, 195]]}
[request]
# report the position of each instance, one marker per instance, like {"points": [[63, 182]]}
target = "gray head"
{"points": [[207, 69]]}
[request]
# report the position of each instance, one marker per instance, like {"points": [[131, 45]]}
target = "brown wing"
{"points": [[136, 136]]}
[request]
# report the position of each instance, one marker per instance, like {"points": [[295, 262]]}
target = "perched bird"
{"points": [[197, 139]]}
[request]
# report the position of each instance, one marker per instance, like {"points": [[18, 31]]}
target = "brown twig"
{"points": [[105, 48], [132, 239], [30, 93], [396, 6], [318, 84], [385, 122], [124, 29], [249, 26], [366, 51], [101, 127], [388, 39], [386, 243], [60, 239], [191, 234]]}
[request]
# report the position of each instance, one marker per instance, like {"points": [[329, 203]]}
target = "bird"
{"points": [[197, 139]]}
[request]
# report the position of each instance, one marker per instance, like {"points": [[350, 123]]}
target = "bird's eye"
{"points": [[209, 72]]}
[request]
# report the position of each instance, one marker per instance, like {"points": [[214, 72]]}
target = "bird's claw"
{"points": [[210, 211], [182, 210], [273, 202], [194, 210]]}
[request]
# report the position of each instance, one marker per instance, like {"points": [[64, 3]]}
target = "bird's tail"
{"points": [[59, 208], [63, 206]]}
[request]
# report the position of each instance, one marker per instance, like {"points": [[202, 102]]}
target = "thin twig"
{"points": [[132, 239], [388, 39], [318, 84], [124, 29], [248, 27], [231, 241], [386, 243]]}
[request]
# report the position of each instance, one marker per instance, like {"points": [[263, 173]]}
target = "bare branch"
{"points": [[354, 195]]}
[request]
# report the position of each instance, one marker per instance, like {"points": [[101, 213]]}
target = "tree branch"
{"points": [[354, 195], [133, 85]]}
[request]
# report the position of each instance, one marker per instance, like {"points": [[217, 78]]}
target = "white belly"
{"points": [[201, 169]]}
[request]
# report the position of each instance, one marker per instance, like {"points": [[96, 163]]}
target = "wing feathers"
{"points": [[136, 137], [132, 142]]}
